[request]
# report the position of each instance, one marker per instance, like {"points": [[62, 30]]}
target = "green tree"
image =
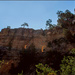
{"points": [[45, 70], [8, 27], [68, 35], [65, 18], [25, 24], [48, 24], [68, 64]]}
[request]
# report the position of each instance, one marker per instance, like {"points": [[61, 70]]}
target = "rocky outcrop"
{"points": [[19, 37]]}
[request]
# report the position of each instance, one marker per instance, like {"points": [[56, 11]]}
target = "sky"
{"points": [[35, 13]]}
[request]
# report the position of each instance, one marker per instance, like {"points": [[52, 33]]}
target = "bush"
{"points": [[68, 35], [73, 51], [68, 64], [44, 70], [20, 73]]}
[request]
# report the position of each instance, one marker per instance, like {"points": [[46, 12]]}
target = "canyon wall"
{"points": [[19, 37]]}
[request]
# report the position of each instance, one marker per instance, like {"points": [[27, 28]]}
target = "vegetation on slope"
{"points": [[58, 60]]}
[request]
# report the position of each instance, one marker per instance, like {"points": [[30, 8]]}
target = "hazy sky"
{"points": [[35, 13]]}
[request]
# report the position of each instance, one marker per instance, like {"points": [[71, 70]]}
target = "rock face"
{"points": [[19, 37]]}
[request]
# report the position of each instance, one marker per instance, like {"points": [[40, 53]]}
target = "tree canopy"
{"points": [[65, 18], [25, 24], [48, 23]]}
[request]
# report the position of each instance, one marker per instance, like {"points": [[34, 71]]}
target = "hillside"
{"points": [[19, 37], [13, 41]]}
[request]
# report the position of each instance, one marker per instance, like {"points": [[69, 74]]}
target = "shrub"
{"points": [[68, 65], [68, 35], [20, 73], [1, 62], [44, 70], [73, 51]]}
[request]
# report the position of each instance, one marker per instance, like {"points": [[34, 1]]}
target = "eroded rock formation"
{"points": [[19, 37]]}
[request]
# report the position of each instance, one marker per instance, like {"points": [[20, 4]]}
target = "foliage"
{"points": [[57, 42], [1, 62], [68, 35], [48, 24], [20, 73], [25, 24], [8, 27], [65, 18], [45, 70], [73, 51], [68, 65], [66, 32]]}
